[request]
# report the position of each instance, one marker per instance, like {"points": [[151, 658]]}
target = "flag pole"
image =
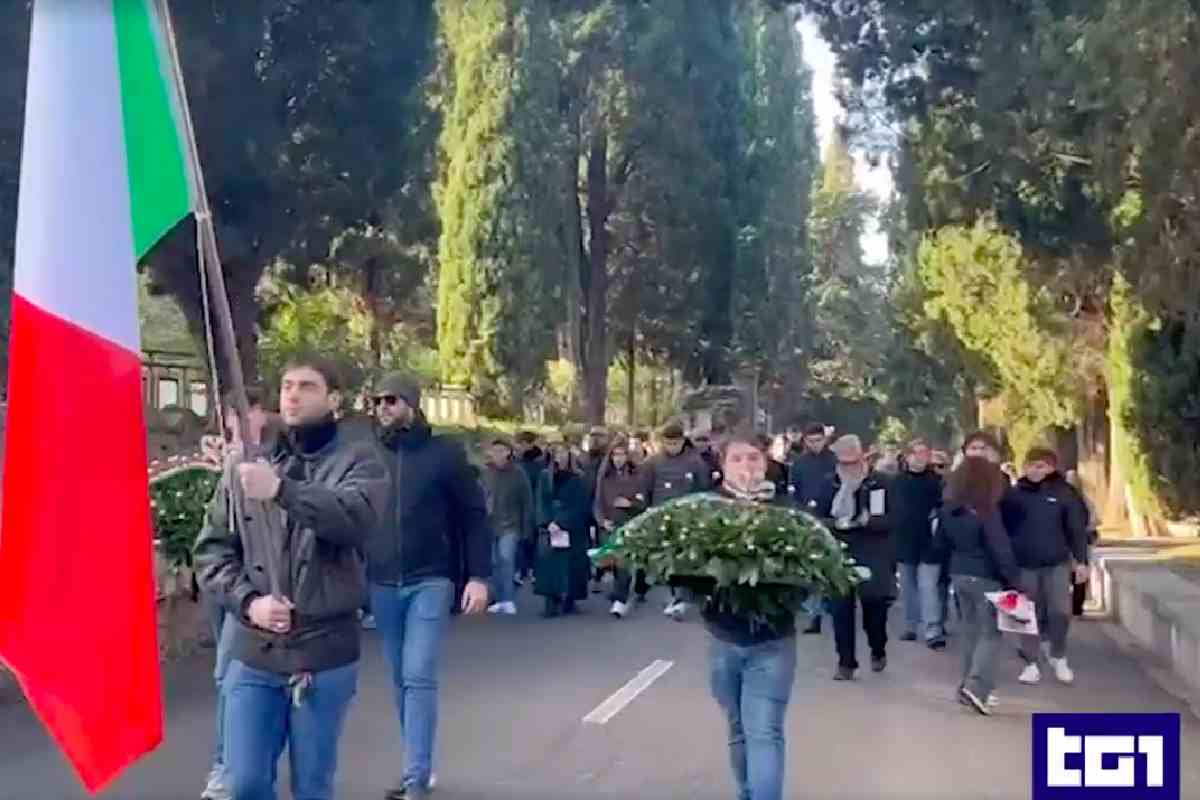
{"points": [[214, 292]]}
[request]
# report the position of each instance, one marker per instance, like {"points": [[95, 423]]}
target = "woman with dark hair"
{"points": [[618, 500], [981, 561], [564, 516]]}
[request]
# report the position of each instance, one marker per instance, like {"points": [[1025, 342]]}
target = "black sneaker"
{"points": [[843, 674], [814, 627], [878, 664], [908, 636], [937, 644]]}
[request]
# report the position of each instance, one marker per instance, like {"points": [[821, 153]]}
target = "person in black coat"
{"points": [[811, 468], [916, 494], [1048, 523], [981, 562], [855, 505], [435, 529], [564, 516]]}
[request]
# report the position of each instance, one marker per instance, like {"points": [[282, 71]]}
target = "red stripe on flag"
{"points": [[78, 625]]}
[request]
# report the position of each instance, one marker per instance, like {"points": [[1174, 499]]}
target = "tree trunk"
{"points": [[631, 386], [596, 296], [575, 274], [654, 401]]}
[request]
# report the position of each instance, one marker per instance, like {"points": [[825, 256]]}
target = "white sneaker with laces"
{"points": [[1062, 670], [1030, 675], [619, 609], [508, 607]]}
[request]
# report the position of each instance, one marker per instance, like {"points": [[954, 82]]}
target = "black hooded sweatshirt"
{"points": [[1047, 521]]}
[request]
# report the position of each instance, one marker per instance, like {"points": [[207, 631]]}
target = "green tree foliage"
{"points": [[1154, 385], [976, 283], [303, 112], [774, 266], [492, 182], [847, 335]]}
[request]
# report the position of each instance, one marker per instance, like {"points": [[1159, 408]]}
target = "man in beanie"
{"points": [[437, 510], [855, 505], [1048, 522], [676, 471]]}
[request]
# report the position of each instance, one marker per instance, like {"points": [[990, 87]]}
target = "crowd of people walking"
{"points": [[390, 526]]}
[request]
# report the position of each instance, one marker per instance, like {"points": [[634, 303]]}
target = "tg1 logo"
{"points": [[1106, 757]]}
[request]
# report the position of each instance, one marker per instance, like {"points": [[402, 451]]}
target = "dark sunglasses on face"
{"points": [[386, 400]]}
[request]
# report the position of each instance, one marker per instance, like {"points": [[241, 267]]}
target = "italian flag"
{"points": [[103, 177]]}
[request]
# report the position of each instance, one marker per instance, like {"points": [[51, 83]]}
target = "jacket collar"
{"points": [[309, 439]]}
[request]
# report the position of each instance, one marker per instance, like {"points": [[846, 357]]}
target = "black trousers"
{"points": [[623, 580], [874, 622]]}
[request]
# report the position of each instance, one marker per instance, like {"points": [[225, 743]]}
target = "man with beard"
{"points": [[855, 504], [293, 595], [438, 510]]}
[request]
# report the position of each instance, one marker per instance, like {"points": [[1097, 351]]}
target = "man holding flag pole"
{"points": [[109, 167]]}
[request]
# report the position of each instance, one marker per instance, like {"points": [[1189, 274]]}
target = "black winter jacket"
{"points": [[979, 546], [915, 497], [1047, 522], [437, 510], [870, 544], [810, 474], [332, 494]]}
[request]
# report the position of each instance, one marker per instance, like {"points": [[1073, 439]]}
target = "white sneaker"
{"points": [[669, 611], [619, 609], [368, 622], [1031, 674], [508, 607], [992, 700], [216, 789], [1062, 670], [679, 611], [495, 608]]}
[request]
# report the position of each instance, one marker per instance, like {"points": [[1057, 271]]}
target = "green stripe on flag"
{"points": [[158, 181]]}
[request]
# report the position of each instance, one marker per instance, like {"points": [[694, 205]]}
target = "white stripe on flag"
{"points": [[74, 247]]}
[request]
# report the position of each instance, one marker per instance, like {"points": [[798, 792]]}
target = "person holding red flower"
{"points": [[981, 562]]}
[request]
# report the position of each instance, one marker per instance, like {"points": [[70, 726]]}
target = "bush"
{"points": [[178, 501]]}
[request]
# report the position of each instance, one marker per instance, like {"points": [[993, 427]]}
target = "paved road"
{"points": [[515, 691]]}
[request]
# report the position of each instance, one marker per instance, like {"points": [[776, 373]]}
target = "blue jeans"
{"points": [[260, 719], [412, 619], [504, 565], [753, 684], [222, 631], [923, 603]]}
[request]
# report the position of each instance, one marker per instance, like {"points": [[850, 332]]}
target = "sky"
{"points": [[878, 179]]}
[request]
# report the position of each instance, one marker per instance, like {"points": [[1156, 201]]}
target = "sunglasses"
{"points": [[386, 400]]}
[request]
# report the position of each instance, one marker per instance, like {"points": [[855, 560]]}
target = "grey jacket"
{"points": [[329, 500]]}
